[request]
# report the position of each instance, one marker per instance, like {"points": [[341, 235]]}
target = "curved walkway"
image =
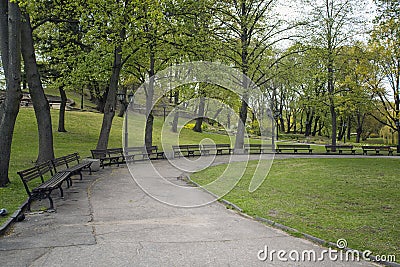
{"points": [[106, 219]]}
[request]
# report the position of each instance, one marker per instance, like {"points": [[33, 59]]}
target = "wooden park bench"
{"points": [[45, 179], [153, 151], [218, 148], [144, 153], [295, 147], [340, 148], [108, 156], [377, 149], [190, 150], [70, 163], [257, 148]]}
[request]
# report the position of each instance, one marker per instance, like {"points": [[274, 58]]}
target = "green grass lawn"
{"points": [[355, 199]]}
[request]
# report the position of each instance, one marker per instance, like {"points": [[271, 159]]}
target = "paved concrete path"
{"points": [[107, 220]]}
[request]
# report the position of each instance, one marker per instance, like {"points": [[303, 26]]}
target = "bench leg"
{"points": [[51, 202], [28, 206], [61, 191]]}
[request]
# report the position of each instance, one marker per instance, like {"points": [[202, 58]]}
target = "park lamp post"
{"points": [[121, 97]]}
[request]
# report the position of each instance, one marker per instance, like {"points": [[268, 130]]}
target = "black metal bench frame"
{"points": [[108, 156], [377, 149], [68, 161], [340, 148], [219, 149], [190, 150], [43, 190], [259, 148], [294, 147], [153, 151]]}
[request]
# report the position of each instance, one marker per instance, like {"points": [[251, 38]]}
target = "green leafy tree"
{"points": [[332, 25], [385, 42]]}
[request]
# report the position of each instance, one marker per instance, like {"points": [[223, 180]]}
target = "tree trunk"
{"points": [[314, 132], [282, 123], [217, 113], [341, 130], [309, 121], [333, 119], [295, 123], [10, 107], [4, 35], [148, 139], [239, 143], [39, 100], [200, 115], [176, 114], [110, 105], [349, 128], [61, 117]]}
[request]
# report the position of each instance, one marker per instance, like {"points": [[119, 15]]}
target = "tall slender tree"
{"points": [[39, 100], [385, 40], [10, 30], [333, 24]]}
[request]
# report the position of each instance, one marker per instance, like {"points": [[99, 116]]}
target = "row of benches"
{"points": [[118, 156], [50, 175], [63, 168], [192, 150]]}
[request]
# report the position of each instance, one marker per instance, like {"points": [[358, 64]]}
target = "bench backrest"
{"points": [[257, 145], [152, 148], [293, 146], [113, 151], [36, 172], [186, 147], [378, 147], [211, 146], [133, 149], [98, 153], [339, 146], [71, 158]]}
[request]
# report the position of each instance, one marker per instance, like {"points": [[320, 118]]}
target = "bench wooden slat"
{"points": [[377, 149], [219, 148], [66, 163], [340, 148], [294, 147], [109, 155], [188, 149], [260, 148], [44, 189]]}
